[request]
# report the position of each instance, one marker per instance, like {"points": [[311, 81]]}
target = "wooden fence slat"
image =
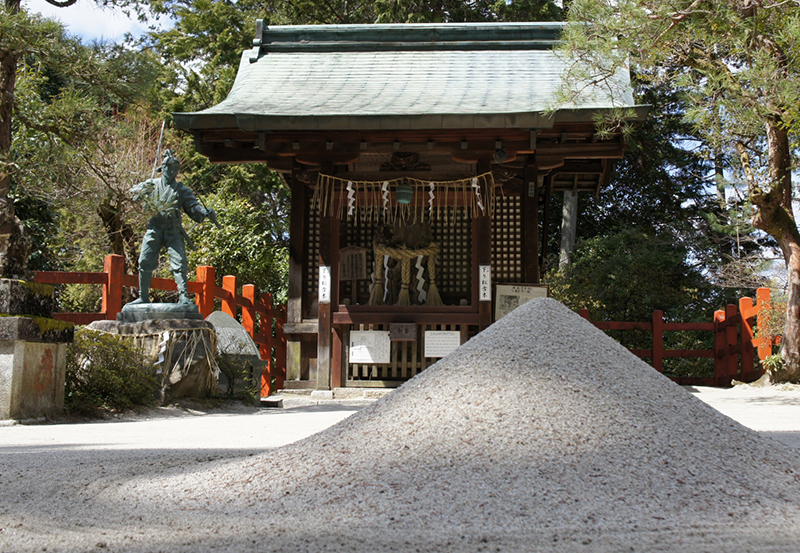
{"points": [[747, 351], [114, 267], [731, 339]]}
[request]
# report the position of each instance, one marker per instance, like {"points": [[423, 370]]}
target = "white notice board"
{"points": [[510, 296], [370, 346], [441, 343]]}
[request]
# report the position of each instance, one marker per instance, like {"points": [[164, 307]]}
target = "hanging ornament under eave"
{"points": [[404, 194]]}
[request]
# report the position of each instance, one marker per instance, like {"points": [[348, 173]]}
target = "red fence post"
{"points": [[280, 349], [229, 305], [658, 341], [114, 267], [206, 276], [731, 341], [763, 301], [720, 347], [746, 350], [249, 311], [266, 349], [584, 313]]}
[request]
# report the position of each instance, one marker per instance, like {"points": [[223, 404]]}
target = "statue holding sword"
{"points": [[165, 200]]}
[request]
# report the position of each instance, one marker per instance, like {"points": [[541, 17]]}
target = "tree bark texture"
{"points": [[774, 215], [14, 246]]}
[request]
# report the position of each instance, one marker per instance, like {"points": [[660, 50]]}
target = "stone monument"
{"points": [[33, 351], [240, 363]]}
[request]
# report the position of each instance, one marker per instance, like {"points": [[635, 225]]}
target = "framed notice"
{"points": [[352, 263], [510, 296], [370, 346], [441, 343]]}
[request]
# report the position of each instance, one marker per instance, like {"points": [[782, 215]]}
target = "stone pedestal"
{"points": [[182, 350], [33, 352], [139, 312]]}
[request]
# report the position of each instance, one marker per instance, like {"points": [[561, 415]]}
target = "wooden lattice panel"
{"points": [[507, 240], [360, 232], [454, 264], [312, 261]]}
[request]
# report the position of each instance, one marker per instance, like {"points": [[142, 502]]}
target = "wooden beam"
{"points": [[294, 304], [482, 246], [530, 228], [548, 200]]}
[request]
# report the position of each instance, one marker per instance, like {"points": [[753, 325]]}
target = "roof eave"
{"points": [[264, 123]]}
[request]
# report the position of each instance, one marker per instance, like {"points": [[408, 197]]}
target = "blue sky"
{"points": [[86, 19]]}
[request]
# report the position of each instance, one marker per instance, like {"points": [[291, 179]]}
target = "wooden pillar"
{"points": [[114, 268], [720, 347], [294, 303], [206, 276], [229, 305], [530, 225], [328, 296], [482, 246], [548, 200], [265, 331], [747, 351], [731, 340], [569, 227], [763, 303]]}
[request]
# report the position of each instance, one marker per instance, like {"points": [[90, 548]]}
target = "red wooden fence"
{"points": [[263, 321], [735, 345]]}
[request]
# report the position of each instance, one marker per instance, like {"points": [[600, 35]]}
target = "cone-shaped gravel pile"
{"points": [[540, 434]]}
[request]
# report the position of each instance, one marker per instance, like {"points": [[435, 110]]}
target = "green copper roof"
{"points": [[325, 77]]}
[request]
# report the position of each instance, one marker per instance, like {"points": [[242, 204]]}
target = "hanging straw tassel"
{"points": [[405, 298], [433, 292], [376, 295]]}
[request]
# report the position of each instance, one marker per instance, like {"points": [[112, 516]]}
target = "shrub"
{"points": [[106, 372]]}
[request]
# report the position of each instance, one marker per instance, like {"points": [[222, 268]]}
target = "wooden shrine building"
{"points": [[421, 160]]}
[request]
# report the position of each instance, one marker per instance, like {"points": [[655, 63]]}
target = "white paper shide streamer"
{"points": [[431, 196], [420, 280], [385, 192], [351, 199], [477, 188]]}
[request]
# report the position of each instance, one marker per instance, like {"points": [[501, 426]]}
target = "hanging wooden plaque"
{"points": [[403, 332], [352, 263]]}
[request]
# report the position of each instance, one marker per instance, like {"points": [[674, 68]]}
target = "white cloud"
{"points": [[88, 20]]}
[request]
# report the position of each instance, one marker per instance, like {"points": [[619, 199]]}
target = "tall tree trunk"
{"points": [[14, 246], [774, 215]]}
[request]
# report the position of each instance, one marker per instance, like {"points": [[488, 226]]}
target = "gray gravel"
{"points": [[540, 434]]}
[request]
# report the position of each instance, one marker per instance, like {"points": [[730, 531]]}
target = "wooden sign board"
{"points": [[510, 296], [370, 346], [352, 263], [403, 332], [441, 343]]}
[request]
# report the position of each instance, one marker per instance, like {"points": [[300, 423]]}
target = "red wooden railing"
{"points": [[735, 345], [263, 321]]}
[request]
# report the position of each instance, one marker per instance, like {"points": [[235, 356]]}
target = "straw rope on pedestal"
{"points": [[405, 255]]}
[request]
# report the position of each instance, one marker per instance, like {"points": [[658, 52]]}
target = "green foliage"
{"points": [[106, 373], [626, 275], [773, 363], [252, 242]]}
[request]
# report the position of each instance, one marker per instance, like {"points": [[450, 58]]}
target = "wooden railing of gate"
{"points": [[735, 344], [260, 318]]}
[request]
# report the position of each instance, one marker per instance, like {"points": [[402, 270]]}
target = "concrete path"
{"points": [[773, 411]]}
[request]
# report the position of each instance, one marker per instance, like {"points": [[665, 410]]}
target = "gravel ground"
{"points": [[540, 434]]}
